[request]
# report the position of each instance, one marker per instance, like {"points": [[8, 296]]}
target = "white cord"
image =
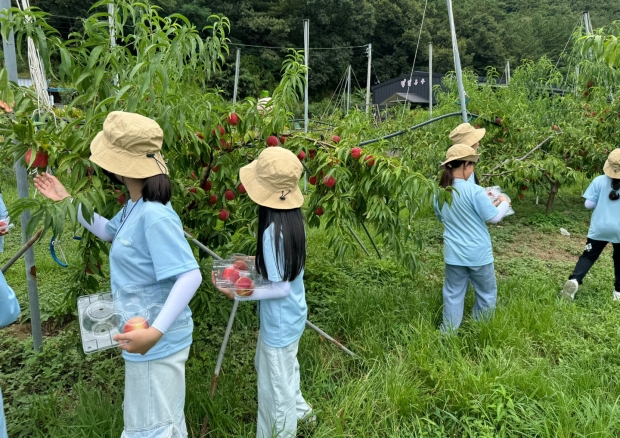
{"points": [[37, 70]]}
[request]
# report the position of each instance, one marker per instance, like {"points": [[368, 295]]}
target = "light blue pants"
{"points": [[2, 420], [154, 402], [455, 286], [280, 403]]}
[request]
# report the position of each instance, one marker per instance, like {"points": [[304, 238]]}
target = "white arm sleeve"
{"points": [[180, 295], [97, 226], [279, 289], [503, 209], [590, 204]]}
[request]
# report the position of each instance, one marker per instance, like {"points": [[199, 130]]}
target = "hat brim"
{"points": [[111, 159], [266, 196], [609, 171], [477, 135], [472, 158]]}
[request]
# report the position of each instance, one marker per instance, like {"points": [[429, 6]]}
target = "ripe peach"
{"points": [[240, 265], [245, 286], [230, 274], [135, 323], [356, 153], [272, 140]]}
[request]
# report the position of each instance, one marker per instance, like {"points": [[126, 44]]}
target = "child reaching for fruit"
{"points": [[468, 254], [149, 251], [272, 181], [603, 226]]}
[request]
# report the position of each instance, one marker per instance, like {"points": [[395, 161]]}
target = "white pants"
{"points": [[280, 403], [155, 398]]}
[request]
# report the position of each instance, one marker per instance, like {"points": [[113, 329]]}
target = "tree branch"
{"points": [[508, 160]]}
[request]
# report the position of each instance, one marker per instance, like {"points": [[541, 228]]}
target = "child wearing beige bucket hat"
{"points": [[149, 253], [468, 254], [272, 181], [603, 198], [470, 136]]}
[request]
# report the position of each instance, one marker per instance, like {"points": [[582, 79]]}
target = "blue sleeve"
{"points": [[3, 210], [170, 252], [269, 256], [9, 306], [483, 205], [594, 190], [112, 226]]}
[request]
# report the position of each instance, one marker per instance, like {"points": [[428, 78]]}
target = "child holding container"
{"points": [[272, 181], [149, 253], [601, 197], [468, 253]]}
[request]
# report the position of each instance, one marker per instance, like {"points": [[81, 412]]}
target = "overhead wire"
{"points": [[414, 59]]}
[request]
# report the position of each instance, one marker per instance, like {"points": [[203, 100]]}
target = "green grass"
{"points": [[542, 367]]}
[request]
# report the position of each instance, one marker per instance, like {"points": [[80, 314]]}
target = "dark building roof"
{"points": [[413, 88]]}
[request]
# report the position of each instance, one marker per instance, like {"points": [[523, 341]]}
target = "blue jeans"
{"points": [[455, 286], [2, 420]]}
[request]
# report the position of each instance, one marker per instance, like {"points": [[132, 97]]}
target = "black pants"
{"points": [[590, 255]]}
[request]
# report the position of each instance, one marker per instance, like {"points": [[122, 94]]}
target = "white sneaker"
{"points": [[570, 289], [616, 295]]}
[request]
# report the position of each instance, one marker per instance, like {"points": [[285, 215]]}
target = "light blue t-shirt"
{"points": [[148, 251], [466, 238], [282, 320], [3, 214], [604, 224], [9, 306]]}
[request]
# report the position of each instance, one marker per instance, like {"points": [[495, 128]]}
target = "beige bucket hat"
{"points": [[612, 165], [272, 180], [467, 134], [460, 152], [129, 145]]}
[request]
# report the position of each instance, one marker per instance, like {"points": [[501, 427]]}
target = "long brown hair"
{"points": [[447, 177]]}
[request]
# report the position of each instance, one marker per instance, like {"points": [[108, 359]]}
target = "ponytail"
{"points": [[157, 189], [615, 186], [447, 177]]}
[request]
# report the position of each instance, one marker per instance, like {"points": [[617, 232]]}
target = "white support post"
{"points": [[112, 31], [306, 61], [237, 62], [587, 23], [368, 78], [507, 72], [10, 62], [430, 80], [349, 89], [457, 62]]}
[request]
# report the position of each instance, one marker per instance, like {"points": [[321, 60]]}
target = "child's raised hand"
{"points": [[224, 291], [50, 187]]}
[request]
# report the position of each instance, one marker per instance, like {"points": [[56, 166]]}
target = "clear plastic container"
{"points": [[238, 274]]}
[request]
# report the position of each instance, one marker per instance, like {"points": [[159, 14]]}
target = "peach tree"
{"points": [[160, 68]]}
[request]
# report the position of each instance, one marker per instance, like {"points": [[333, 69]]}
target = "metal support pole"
{"points": [[587, 23], [430, 80], [348, 88], [112, 31], [237, 62], [507, 72], [368, 74], [306, 61], [457, 62], [22, 250], [371, 240], [10, 62], [358, 240], [307, 64]]}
